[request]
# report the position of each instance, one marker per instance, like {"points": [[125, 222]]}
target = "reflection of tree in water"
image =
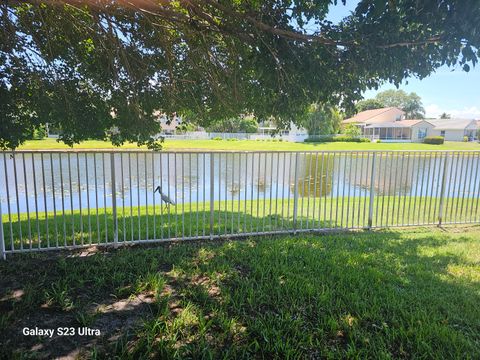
{"points": [[261, 185], [394, 174], [317, 171], [234, 189]]}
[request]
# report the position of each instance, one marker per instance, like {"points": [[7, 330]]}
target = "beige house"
{"points": [[376, 116], [399, 131], [454, 129], [388, 124]]}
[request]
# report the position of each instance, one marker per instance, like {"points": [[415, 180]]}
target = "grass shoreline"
{"points": [[252, 145]]}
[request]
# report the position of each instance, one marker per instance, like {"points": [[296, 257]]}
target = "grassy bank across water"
{"points": [[245, 145], [380, 294]]}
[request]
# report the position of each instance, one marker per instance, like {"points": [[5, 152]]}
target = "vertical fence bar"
{"points": [[25, 182], [474, 189], [63, 201], [276, 190], [8, 202], [80, 198], [88, 200], [176, 191], [145, 169], [212, 197], [153, 198], [295, 194], [197, 157], [2, 236], [138, 197], [258, 191], [35, 193], [45, 200], [442, 190], [70, 189], [320, 223], [54, 201], [123, 198], [226, 192], [204, 194], [161, 184], [105, 198], [183, 195], [114, 199], [15, 179], [169, 231], [372, 192], [131, 194]]}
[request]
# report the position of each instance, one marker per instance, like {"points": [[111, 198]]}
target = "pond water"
{"points": [[41, 182]]}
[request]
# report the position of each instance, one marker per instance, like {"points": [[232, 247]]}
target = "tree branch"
{"points": [[163, 9]]}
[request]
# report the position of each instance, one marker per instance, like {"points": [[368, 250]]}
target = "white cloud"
{"points": [[434, 111]]}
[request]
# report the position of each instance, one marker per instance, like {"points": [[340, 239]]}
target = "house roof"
{"points": [[396, 124], [372, 116], [450, 124]]}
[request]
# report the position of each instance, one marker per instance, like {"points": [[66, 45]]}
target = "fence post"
{"points": [[442, 190], [114, 199], [2, 236], [295, 195], [212, 194], [372, 192]]}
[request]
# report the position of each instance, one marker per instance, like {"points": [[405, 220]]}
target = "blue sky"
{"points": [[454, 92]]}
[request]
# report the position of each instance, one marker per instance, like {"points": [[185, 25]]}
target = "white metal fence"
{"points": [[70, 199]]}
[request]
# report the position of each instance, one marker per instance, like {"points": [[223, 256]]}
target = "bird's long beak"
{"points": [[156, 189]]}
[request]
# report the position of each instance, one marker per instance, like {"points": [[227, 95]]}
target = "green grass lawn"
{"points": [[379, 294], [255, 145]]}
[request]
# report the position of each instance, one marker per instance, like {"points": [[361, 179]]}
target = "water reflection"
{"points": [[79, 180]]}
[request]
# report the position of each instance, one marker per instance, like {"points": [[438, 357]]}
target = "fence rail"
{"points": [[70, 199]]}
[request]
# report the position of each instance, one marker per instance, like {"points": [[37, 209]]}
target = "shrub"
{"points": [[465, 139], [232, 139], [434, 140], [352, 130], [217, 138]]}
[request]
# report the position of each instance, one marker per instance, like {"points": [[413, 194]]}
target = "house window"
{"points": [[442, 133], [422, 133]]}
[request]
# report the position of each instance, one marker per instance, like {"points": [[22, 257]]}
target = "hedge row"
{"points": [[435, 140]]}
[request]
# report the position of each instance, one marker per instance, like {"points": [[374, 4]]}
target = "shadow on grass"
{"points": [[377, 294]]}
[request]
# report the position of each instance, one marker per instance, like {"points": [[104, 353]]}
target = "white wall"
{"points": [[422, 125], [451, 135]]}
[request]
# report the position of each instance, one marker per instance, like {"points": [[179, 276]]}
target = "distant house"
{"points": [[454, 129], [388, 124], [376, 116], [269, 128], [400, 131], [168, 125]]}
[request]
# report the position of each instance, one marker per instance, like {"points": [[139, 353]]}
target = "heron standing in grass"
{"points": [[165, 198]]}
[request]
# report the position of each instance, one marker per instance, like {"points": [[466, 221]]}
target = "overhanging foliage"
{"points": [[89, 66]]}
